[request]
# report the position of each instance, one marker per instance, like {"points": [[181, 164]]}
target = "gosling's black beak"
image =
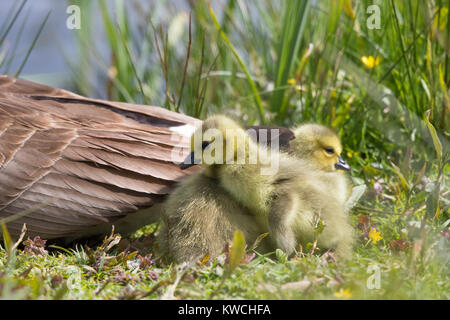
{"points": [[342, 165], [189, 161]]}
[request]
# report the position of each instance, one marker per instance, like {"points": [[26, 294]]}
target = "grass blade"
{"points": [[130, 58], [241, 63], [434, 136], [6, 238], [237, 250], [10, 25], [41, 27], [292, 33]]}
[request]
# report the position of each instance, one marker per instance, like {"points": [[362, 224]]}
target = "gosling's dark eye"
{"points": [[205, 144], [329, 150]]}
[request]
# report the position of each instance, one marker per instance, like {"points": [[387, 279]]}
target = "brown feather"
{"points": [[90, 161], [284, 136]]}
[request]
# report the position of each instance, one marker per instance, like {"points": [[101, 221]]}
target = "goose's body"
{"points": [[71, 166], [78, 163]]}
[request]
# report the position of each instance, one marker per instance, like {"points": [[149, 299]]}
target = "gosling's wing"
{"points": [[272, 133], [76, 162]]}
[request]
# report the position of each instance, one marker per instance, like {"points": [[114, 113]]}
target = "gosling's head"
{"points": [[219, 140], [320, 145]]}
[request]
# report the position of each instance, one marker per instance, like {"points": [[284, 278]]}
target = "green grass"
{"points": [[268, 62], [118, 274], [8, 49]]}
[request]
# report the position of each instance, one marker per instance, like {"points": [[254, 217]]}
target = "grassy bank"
{"points": [[384, 87]]}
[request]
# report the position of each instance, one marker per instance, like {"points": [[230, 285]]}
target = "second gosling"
{"points": [[309, 189]]}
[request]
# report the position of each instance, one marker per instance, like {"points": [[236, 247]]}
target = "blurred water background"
{"points": [[48, 61], [57, 50]]}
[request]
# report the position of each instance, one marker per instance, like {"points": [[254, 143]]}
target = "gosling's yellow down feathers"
{"points": [[201, 215], [204, 211], [312, 189]]}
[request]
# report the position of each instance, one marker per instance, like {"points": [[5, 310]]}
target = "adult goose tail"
{"points": [[70, 163]]}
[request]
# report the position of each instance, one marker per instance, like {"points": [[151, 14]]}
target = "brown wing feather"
{"points": [[284, 136], [90, 161]]}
